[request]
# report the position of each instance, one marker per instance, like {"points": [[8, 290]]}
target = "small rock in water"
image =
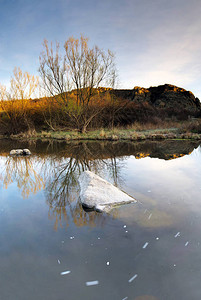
{"points": [[98, 194], [18, 152], [90, 283]]}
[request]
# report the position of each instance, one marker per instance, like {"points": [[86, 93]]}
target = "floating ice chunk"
{"points": [[65, 272], [178, 234], [90, 283], [58, 261], [157, 238], [126, 231], [149, 216], [125, 226], [98, 194], [108, 263], [72, 237], [132, 278], [186, 244], [145, 245]]}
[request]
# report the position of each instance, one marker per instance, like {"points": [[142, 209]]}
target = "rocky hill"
{"points": [[165, 96]]}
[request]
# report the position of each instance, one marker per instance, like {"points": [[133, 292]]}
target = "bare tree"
{"points": [[22, 87], [81, 69]]}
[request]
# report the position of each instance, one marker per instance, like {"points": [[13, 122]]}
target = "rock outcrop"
{"points": [[100, 195], [165, 96]]}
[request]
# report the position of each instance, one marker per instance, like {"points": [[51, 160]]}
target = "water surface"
{"points": [[145, 251]]}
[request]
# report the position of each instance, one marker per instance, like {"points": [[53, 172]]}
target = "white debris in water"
{"points": [[149, 217], [145, 245], [186, 244], [90, 283], [98, 238], [157, 238], [72, 237], [126, 231], [58, 261], [132, 278], [108, 263], [125, 226], [176, 235], [125, 298], [174, 265], [65, 272]]}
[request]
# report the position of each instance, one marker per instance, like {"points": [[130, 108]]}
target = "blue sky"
{"points": [[155, 41]]}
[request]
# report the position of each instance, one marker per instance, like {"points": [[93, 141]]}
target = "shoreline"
{"points": [[107, 135]]}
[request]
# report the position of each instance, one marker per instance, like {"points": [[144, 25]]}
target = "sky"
{"points": [[154, 41]]}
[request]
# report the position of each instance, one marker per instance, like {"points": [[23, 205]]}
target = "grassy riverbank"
{"points": [[167, 130]]}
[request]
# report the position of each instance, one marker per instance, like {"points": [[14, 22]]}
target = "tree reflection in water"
{"points": [[56, 171], [62, 190], [57, 174], [23, 171]]}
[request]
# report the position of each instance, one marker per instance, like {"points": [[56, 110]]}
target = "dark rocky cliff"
{"points": [[162, 97]]}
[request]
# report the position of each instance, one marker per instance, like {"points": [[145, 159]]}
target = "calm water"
{"points": [[145, 251]]}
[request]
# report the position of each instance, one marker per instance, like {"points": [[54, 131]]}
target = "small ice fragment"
{"points": [[125, 226], [157, 238], [90, 283], [98, 238], [65, 272], [58, 261], [186, 244], [145, 245], [125, 298], [132, 278], [108, 263], [126, 231], [174, 265], [149, 217], [72, 237], [176, 235]]}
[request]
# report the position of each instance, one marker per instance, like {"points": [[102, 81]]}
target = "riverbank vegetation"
{"points": [[72, 104]]}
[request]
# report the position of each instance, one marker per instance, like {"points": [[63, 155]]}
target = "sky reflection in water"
{"points": [[45, 231]]}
